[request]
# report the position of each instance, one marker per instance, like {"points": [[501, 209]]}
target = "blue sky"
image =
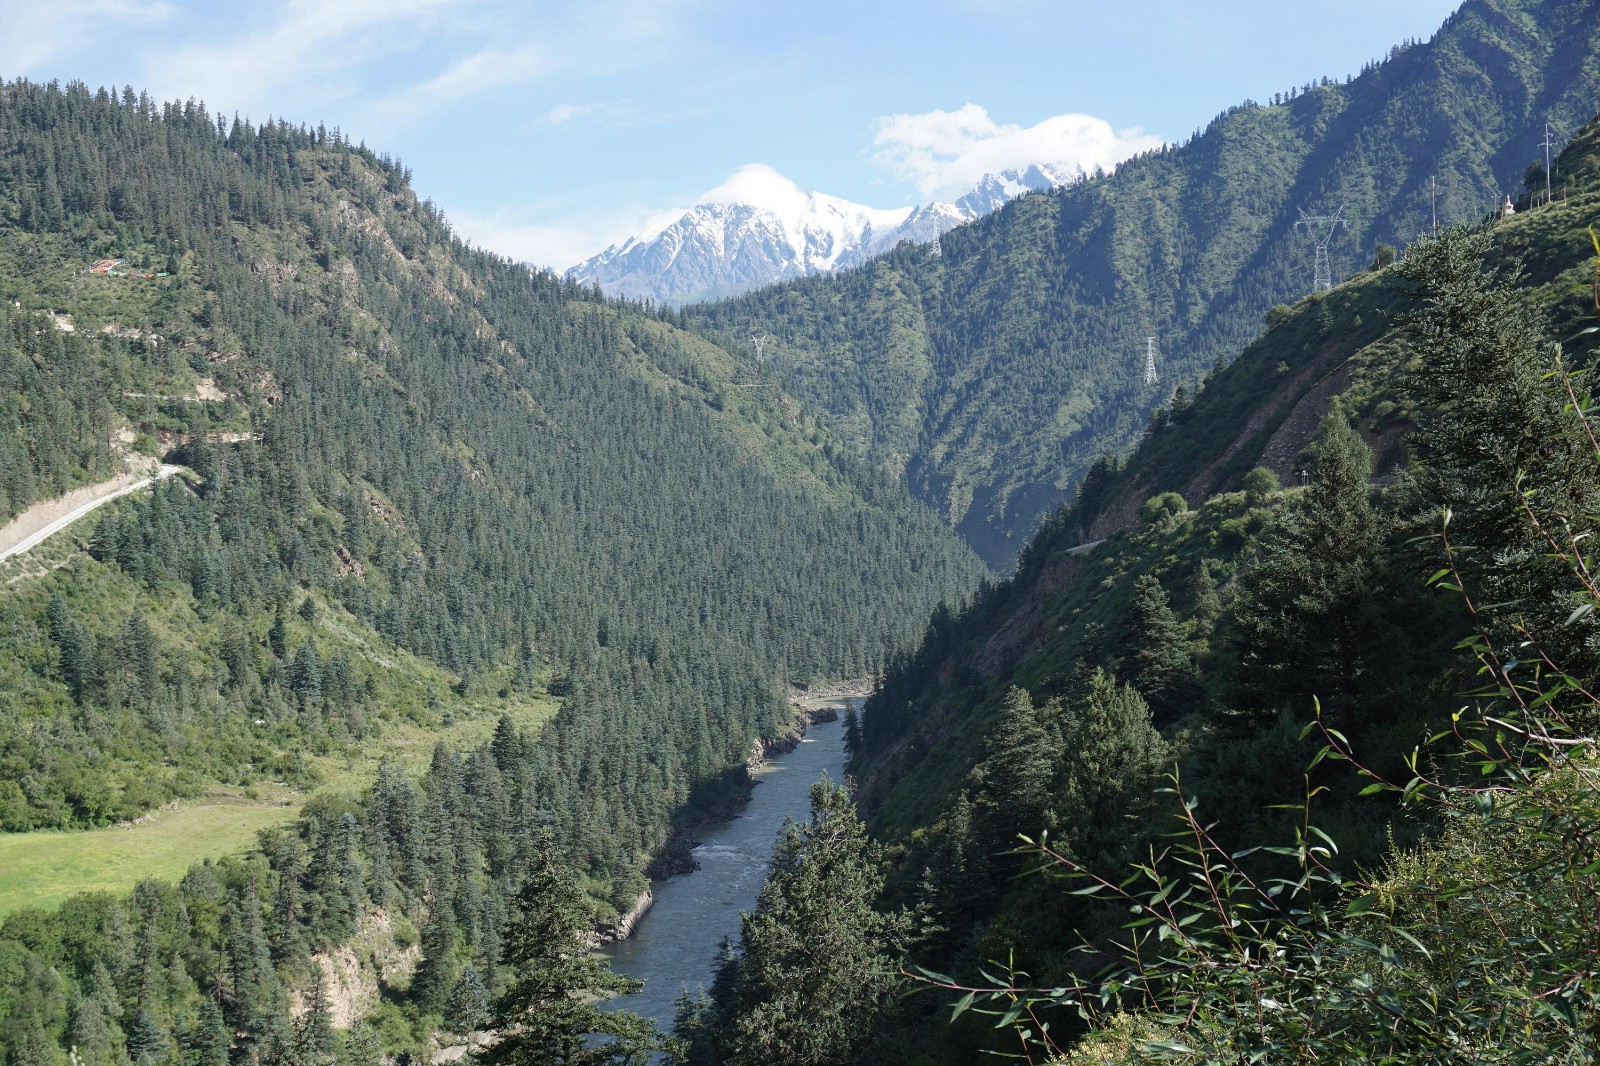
{"points": [[547, 131]]}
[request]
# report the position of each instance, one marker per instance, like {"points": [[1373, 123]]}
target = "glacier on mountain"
{"points": [[759, 227]]}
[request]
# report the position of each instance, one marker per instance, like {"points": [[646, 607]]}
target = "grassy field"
{"points": [[417, 704], [43, 869]]}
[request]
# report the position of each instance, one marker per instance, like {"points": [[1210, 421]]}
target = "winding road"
{"points": [[38, 522]]}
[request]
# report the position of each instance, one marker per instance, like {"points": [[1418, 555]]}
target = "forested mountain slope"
{"points": [[991, 376], [1207, 629], [425, 483], [481, 463]]}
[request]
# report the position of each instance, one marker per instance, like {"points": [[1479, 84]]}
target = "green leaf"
{"points": [[1361, 905]]}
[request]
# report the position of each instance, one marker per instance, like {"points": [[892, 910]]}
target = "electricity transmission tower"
{"points": [[1150, 377], [1433, 200], [938, 250], [760, 341], [1320, 228], [1548, 144]]}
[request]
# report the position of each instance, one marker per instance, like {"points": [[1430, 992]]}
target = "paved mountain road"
{"points": [[41, 520]]}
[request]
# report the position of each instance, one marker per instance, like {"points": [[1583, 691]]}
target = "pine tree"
{"points": [[1113, 759], [693, 1025], [93, 1034], [817, 960], [1207, 600], [305, 672], [27, 1040], [1502, 442], [1024, 753], [278, 635], [314, 1040], [139, 652], [1307, 624], [469, 1002], [547, 1015], [852, 732], [436, 972], [74, 648], [956, 878], [256, 992], [362, 1046], [1155, 653], [147, 1039], [210, 1038]]}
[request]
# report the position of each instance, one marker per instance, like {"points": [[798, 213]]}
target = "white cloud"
{"points": [[558, 247], [492, 68], [311, 46], [757, 183], [603, 112], [486, 70], [35, 34], [943, 153], [605, 36]]}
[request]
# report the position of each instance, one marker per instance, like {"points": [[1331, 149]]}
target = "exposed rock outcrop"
{"points": [[621, 927]]}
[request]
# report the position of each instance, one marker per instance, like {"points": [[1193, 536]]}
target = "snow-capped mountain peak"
{"points": [[759, 227]]}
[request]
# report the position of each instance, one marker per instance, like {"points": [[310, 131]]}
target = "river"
{"points": [[675, 944]]}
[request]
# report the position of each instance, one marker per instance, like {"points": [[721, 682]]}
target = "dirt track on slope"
{"points": [[38, 522]]}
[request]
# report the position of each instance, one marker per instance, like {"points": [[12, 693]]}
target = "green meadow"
{"points": [[44, 868]]}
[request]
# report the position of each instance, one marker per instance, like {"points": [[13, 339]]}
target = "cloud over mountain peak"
{"points": [[759, 227]]}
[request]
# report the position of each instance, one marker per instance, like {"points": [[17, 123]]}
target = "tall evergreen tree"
{"points": [[1502, 443], [852, 732], [547, 1014], [1112, 761], [314, 1041], [147, 1039], [209, 1040], [817, 960], [1307, 622], [469, 1002], [1154, 651], [1024, 752]]}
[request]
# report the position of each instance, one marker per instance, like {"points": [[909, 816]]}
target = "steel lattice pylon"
{"points": [[1321, 228]]}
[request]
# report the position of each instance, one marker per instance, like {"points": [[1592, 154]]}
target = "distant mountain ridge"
{"points": [[759, 228]]}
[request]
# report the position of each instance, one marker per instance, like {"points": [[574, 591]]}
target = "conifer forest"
{"points": [[1247, 715]]}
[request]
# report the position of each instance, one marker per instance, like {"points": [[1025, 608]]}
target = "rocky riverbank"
{"points": [[621, 927], [850, 688], [810, 705], [806, 712]]}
